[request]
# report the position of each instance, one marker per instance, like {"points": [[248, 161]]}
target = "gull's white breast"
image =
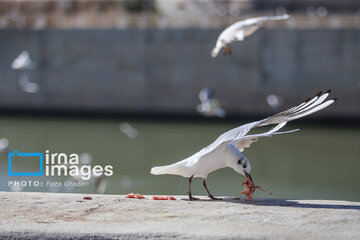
{"points": [[212, 161]]}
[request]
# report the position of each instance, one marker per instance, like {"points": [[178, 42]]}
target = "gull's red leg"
{"points": [[210, 195], [191, 198], [225, 51]]}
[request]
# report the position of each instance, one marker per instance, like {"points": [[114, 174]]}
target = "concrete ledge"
{"points": [[55, 215]]}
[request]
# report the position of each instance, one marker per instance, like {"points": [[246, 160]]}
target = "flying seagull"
{"points": [[23, 62], [239, 30], [226, 150], [209, 106]]}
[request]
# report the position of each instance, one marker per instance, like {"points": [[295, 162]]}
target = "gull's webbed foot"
{"points": [[191, 198], [214, 198]]}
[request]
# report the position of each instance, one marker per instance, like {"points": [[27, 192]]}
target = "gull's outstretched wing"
{"points": [[256, 20], [237, 136], [246, 141], [271, 18], [310, 106]]}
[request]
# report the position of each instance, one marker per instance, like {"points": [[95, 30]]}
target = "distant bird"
{"points": [[23, 62], [128, 130], [274, 101], [209, 106], [226, 150], [100, 185], [26, 85], [239, 30], [4, 146]]}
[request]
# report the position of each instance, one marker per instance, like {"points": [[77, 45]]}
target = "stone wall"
{"points": [[156, 70]]}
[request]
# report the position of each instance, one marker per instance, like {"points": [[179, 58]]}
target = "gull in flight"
{"points": [[239, 30], [26, 85], [23, 62], [226, 150], [209, 106]]}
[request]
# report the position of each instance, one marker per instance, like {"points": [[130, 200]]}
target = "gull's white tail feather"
{"points": [[169, 169], [178, 168], [159, 170]]}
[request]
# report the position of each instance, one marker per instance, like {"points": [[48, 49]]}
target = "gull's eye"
{"points": [[244, 166], [239, 161]]}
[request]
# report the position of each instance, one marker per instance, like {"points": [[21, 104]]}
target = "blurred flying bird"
{"points": [[99, 182], [209, 106], [4, 144], [100, 185], [239, 30], [274, 101], [128, 130], [26, 85], [226, 150], [23, 62], [85, 158]]}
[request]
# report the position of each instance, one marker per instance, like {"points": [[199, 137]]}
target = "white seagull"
{"points": [[239, 30], [209, 106], [226, 150], [26, 85], [23, 62]]}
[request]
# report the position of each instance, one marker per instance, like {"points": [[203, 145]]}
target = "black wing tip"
{"points": [[335, 99], [319, 94], [328, 91]]}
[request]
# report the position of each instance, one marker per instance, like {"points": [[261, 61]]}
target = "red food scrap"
{"points": [[250, 189], [87, 198], [130, 195], [137, 196], [163, 198]]}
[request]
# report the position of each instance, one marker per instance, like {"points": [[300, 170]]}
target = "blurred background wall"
{"points": [[154, 56]]}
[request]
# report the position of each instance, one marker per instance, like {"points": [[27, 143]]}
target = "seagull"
{"points": [[209, 106], [239, 30], [274, 101], [226, 150], [128, 130], [23, 62], [26, 85]]}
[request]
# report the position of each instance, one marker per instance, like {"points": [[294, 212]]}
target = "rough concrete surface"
{"points": [[57, 215]]}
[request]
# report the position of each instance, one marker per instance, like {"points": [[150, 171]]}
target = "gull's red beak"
{"points": [[249, 177]]}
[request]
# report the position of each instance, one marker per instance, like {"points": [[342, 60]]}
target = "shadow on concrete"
{"points": [[284, 203], [295, 203]]}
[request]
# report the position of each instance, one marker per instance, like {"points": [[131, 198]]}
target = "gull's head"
{"points": [[241, 165]]}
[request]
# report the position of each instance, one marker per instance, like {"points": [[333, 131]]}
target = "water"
{"points": [[315, 163]]}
